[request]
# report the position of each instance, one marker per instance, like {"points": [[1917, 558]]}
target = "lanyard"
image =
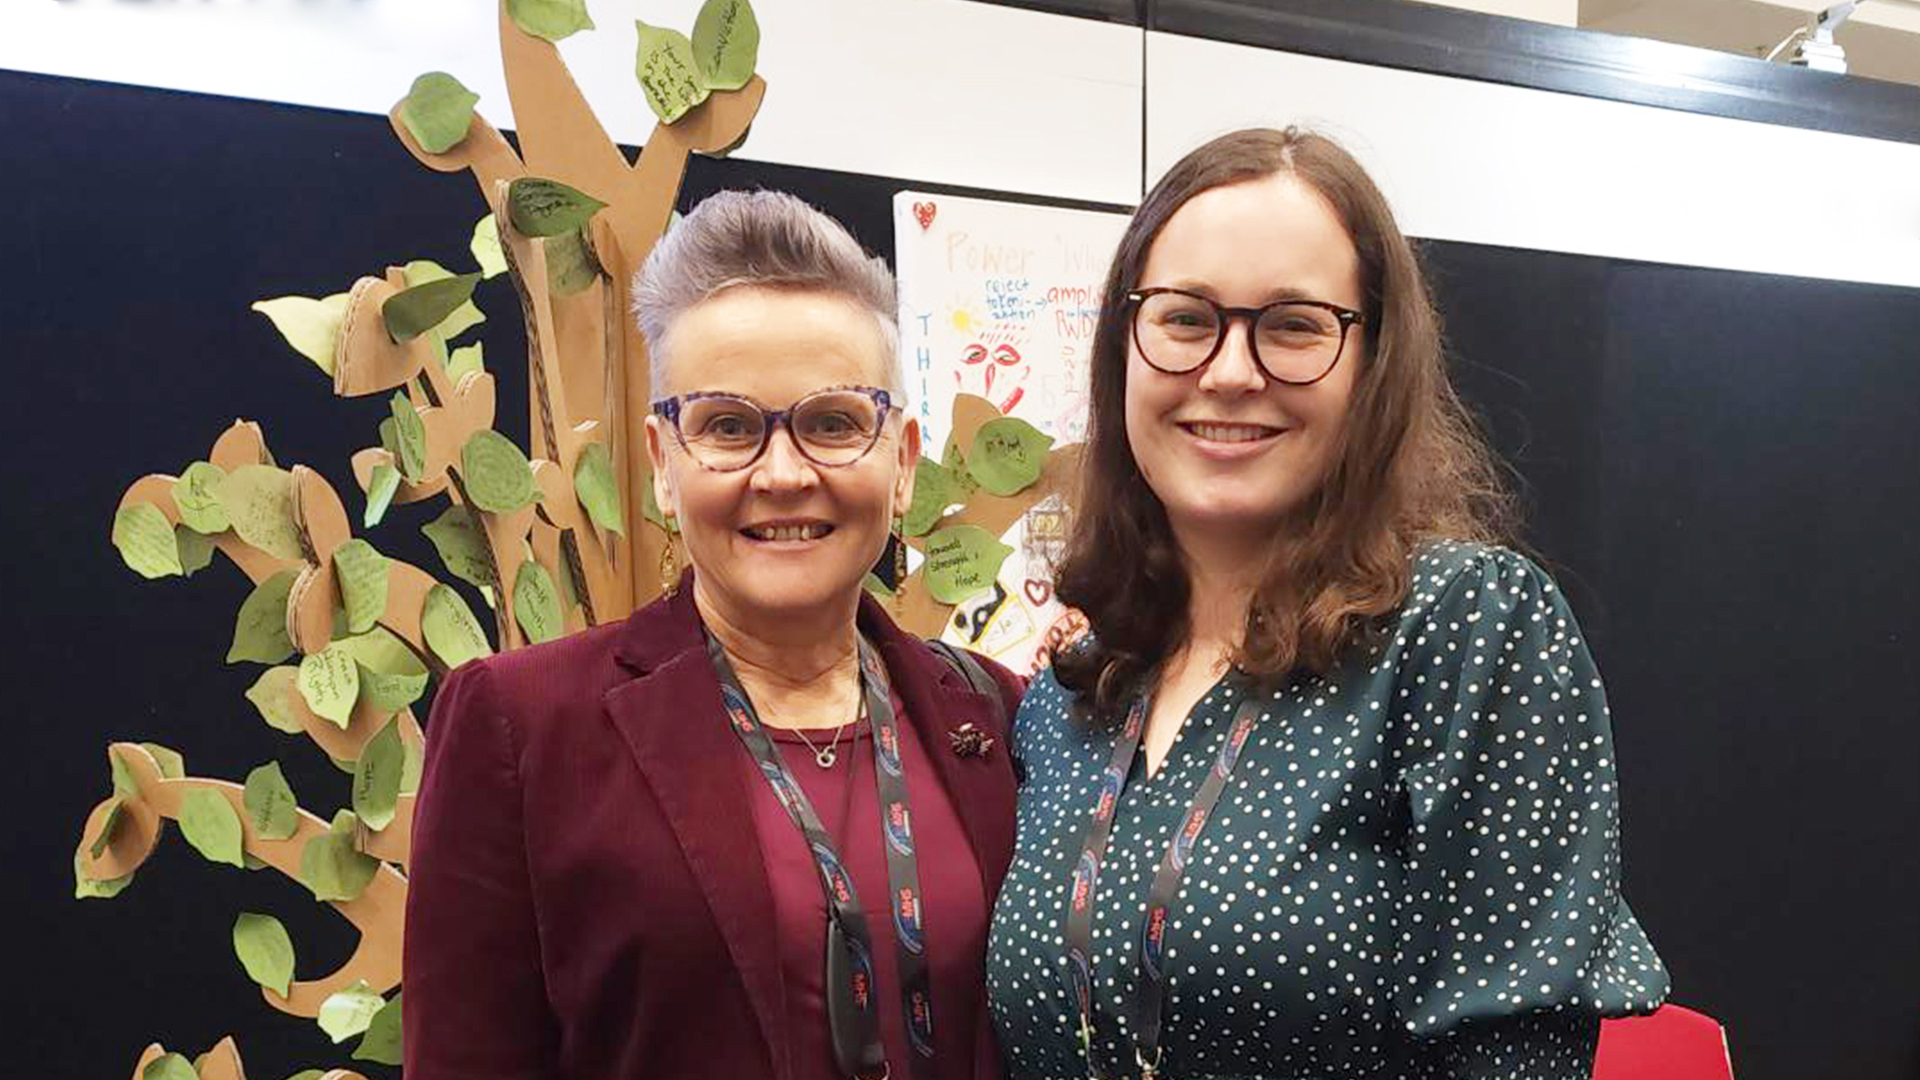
{"points": [[1150, 1001], [856, 1026]]}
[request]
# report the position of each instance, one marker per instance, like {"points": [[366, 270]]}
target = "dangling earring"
{"points": [[669, 568], [899, 565]]}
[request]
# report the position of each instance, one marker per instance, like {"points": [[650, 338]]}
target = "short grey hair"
{"points": [[767, 239]]}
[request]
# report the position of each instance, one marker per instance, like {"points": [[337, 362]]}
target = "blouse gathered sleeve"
{"points": [[476, 1002], [1513, 939]]}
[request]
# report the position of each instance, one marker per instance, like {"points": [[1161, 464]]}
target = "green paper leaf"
{"points": [[465, 359], [554, 20], [933, 491], [874, 585], [264, 950], [498, 476], [197, 496], [331, 867], [437, 111], [465, 316], [145, 539], [260, 630], [540, 207], [536, 603], [172, 765], [450, 628], [258, 500], [594, 484], [169, 1067], [105, 836], [381, 487], [376, 777], [409, 438], [726, 43], [486, 250], [348, 1012], [124, 785], [311, 326], [1007, 455], [362, 573], [955, 462], [667, 72], [961, 561], [196, 551], [85, 888], [330, 683], [210, 825], [390, 693], [419, 308], [272, 695], [271, 808], [382, 1041], [382, 651], [457, 536], [571, 262]]}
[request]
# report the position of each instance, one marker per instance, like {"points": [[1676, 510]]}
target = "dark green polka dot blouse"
{"points": [[1414, 871]]}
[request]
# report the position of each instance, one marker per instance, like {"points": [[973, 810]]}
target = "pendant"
{"points": [[825, 758]]}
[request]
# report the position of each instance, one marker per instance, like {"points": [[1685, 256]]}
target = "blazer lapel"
{"points": [[670, 717], [938, 701]]}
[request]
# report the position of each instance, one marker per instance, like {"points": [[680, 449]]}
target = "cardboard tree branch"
{"points": [[556, 538]]}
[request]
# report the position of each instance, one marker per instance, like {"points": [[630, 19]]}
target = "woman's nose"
{"points": [[783, 467], [1234, 369]]}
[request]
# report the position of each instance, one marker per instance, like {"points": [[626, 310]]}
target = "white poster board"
{"points": [[999, 299]]}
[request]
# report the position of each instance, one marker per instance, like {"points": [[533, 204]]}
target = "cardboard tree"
{"points": [[350, 637]]}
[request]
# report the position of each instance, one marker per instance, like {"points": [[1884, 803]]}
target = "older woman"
{"points": [[1329, 791], [731, 836]]}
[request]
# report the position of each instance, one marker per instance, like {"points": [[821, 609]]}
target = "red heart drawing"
{"points": [[923, 213], [1038, 592]]}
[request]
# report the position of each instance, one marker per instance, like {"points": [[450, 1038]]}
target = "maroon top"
{"points": [[954, 902], [587, 899]]}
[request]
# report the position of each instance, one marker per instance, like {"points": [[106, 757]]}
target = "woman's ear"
{"points": [[662, 474], [909, 463]]}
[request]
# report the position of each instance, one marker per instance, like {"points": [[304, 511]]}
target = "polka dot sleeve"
{"points": [[1512, 936]]}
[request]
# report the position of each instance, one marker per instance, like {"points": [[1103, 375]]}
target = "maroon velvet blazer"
{"points": [[587, 898]]}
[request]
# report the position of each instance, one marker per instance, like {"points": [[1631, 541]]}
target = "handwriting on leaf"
{"points": [[145, 539], [376, 777], [437, 111], [258, 500], [726, 43], [540, 207], [330, 683], [1008, 455], [462, 545], [362, 574], [197, 496], [450, 628], [498, 476], [536, 603], [667, 72], [571, 262], [962, 561], [271, 808]]}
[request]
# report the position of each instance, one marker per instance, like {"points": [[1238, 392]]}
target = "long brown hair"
{"points": [[1410, 464]]}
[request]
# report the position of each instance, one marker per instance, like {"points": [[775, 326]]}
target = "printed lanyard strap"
{"points": [[1150, 1000], [843, 903]]}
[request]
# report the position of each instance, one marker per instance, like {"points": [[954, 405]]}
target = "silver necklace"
{"points": [[825, 756]]}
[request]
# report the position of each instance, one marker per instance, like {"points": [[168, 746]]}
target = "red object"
{"points": [[588, 897], [923, 213], [1675, 1043]]}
